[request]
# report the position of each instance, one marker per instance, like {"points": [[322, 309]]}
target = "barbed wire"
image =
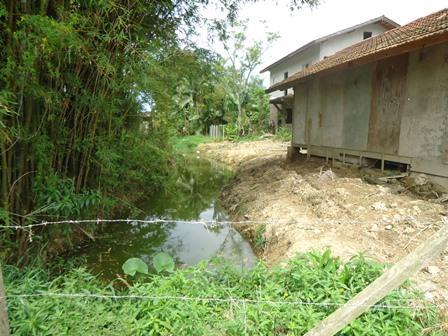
{"points": [[416, 303], [212, 223]]}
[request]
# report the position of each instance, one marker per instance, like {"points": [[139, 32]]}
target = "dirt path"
{"points": [[308, 205]]}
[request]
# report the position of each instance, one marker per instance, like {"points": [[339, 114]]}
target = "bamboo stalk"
{"points": [[4, 324]]}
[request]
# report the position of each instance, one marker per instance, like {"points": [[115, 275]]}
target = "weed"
{"points": [[311, 277], [283, 134], [187, 144], [260, 241]]}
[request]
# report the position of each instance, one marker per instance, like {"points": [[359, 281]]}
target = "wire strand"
{"points": [[220, 300], [211, 222]]}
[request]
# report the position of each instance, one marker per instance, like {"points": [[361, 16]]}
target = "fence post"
{"points": [[382, 286], [4, 325]]}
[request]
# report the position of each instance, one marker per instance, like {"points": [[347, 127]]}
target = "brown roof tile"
{"points": [[418, 30]]}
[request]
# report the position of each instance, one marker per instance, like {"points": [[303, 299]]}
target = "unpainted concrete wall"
{"points": [[299, 114], [397, 106], [357, 103], [424, 124], [334, 111], [337, 43], [292, 66]]}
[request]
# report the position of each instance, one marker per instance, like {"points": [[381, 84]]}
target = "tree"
{"points": [[242, 57], [74, 75]]}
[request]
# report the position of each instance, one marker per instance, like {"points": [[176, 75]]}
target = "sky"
{"points": [[297, 28]]}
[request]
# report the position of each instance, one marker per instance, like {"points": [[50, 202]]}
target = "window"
{"points": [[288, 116], [367, 35]]}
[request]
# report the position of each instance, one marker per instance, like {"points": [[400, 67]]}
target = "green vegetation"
{"points": [[75, 77], [260, 241], [187, 144], [94, 95], [284, 134], [91, 92], [306, 278]]}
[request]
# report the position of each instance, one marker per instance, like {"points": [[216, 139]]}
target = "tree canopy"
{"points": [[75, 78]]}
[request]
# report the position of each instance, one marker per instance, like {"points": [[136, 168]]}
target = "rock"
{"points": [[416, 209], [383, 190], [420, 179], [429, 296], [428, 286], [326, 176], [433, 270], [409, 230], [374, 228], [246, 217], [379, 206], [389, 227], [341, 191]]}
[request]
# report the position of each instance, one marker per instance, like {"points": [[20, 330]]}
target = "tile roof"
{"points": [[419, 30]]}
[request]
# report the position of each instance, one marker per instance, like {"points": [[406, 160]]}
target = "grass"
{"points": [[311, 277], [260, 241], [188, 144], [283, 134]]}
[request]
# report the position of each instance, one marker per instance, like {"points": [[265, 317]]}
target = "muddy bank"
{"points": [[308, 205]]}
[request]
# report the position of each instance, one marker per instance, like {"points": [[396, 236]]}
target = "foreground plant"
{"points": [[282, 301]]}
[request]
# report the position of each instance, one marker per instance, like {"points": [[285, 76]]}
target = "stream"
{"points": [[197, 199]]}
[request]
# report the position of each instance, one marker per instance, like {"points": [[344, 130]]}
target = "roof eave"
{"points": [[401, 49], [388, 23]]}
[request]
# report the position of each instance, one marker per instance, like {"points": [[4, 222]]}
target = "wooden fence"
{"points": [[217, 131]]}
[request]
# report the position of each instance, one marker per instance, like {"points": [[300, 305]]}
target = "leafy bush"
{"points": [[311, 277], [283, 134], [232, 132]]}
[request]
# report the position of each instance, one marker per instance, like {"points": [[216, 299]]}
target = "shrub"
{"points": [[284, 134]]}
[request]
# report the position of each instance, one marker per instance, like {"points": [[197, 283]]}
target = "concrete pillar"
{"points": [[292, 154]]}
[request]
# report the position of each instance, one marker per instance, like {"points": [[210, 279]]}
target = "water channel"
{"points": [[197, 198]]}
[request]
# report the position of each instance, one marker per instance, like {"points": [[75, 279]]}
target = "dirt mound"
{"points": [[308, 205]]}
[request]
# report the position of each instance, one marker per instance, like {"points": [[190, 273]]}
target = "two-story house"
{"points": [[281, 103]]}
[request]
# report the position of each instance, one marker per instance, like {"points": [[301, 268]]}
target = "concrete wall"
{"points": [[337, 43], [318, 52], [299, 117], [424, 123], [397, 106], [292, 66], [334, 111]]}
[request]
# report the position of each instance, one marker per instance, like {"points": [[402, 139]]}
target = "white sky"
{"points": [[299, 27]]}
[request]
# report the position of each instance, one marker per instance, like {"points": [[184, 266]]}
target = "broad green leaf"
{"points": [[163, 262], [134, 265]]}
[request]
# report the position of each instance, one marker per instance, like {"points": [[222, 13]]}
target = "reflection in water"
{"points": [[196, 199]]}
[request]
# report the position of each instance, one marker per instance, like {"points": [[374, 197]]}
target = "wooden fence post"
{"points": [[382, 286], [4, 325]]}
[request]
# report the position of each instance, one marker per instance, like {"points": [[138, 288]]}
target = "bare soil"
{"points": [[311, 205]]}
